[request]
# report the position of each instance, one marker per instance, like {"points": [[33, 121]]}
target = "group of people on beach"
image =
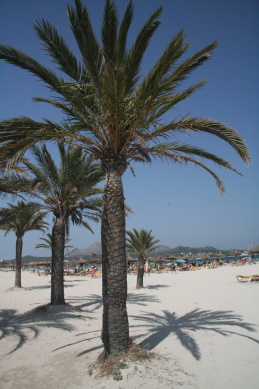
{"points": [[77, 272]]}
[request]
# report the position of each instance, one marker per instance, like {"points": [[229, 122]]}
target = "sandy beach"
{"points": [[201, 325]]}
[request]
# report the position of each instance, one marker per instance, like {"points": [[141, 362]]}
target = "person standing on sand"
{"points": [[92, 271]]}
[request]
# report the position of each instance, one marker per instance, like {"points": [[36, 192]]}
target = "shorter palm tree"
{"points": [[20, 219], [141, 243], [68, 191], [48, 243]]}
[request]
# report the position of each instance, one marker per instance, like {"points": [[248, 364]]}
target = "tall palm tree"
{"points": [[141, 243], [20, 219], [117, 114], [69, 192], [48, 243]]}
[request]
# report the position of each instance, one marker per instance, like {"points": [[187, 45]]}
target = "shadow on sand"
{"points": [[38, 287], [155, 287], [162, 326], [94, 301], [27, 325]]}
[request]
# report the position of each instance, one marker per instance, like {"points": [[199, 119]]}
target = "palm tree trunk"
{"points": [[115, 331], [18, 260], [140, 275], [57, 268]]}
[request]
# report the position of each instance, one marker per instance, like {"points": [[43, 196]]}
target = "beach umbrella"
{"points": [[180, 260], [131, 260], [87, 262], [97, 261], [6, 265], [216, 255], [171, 258], [209, 255], [158, 259], [200, 255], [80, 261]]}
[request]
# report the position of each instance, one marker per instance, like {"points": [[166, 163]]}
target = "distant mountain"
{"points": [[185, 250], [31, 258], [94, 248], [161, 251]]}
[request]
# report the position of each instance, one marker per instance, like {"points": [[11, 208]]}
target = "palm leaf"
{"points": [[86, 40], [55, 45], [24, 61]]}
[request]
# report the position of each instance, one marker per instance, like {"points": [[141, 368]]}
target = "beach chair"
{"points": [[251, 278], [184, 268], [195, 268]]}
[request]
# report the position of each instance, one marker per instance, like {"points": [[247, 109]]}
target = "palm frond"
{"points": [[24, 61], [174, 151], [109, 31], [191, 124], [156, 82], [136, 53], [89, 47], [55, 45], [188, 66], [123, 33], [181, 158]]}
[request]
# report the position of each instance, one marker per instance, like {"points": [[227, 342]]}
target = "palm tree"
{"points": [[48, 243], [20, 219], [141, 243], [117, 114], [69, 193]]}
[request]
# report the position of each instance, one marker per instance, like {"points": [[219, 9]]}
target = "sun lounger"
{"points": [[254, 277], [195, 268], [184, 268]]}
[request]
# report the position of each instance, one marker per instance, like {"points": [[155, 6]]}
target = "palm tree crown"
{"points": [[21, 218], [68, 191], [111, 113], [141, 242]]}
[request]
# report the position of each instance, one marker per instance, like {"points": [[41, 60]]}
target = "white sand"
{"points": [[203, 326]]}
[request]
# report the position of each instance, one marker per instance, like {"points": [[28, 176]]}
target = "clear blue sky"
{"points": [[181, 205]]}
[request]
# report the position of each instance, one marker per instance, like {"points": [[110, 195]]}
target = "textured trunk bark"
{"points": [[140, 275], [18, 261], [57, 268], [115, 331]]}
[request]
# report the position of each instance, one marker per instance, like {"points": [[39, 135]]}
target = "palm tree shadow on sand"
{"points": [[162, 326], [26, 326], [94, 302]]}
